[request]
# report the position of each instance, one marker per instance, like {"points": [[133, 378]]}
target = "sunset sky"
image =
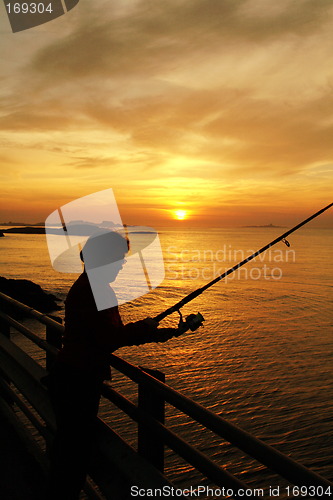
{"points": [[219, 108]]}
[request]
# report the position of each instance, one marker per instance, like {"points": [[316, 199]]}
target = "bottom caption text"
{"points": [[206, 491]]}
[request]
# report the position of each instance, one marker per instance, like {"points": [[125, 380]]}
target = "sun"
{"points": [[180, 214]]}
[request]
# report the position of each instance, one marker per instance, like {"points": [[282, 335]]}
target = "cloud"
{"points": [[32, 119], [157, 36], [174, 92], [92, 162], [226, 128], [147, 48]]}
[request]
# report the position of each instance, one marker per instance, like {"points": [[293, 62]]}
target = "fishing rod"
{"points": [[193, 321]]}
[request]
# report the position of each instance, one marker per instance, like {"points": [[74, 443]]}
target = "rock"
{"points": [[30, 294], [1, 234]]}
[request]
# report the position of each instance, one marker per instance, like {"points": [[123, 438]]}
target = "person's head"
{"points": [[104, 248]]}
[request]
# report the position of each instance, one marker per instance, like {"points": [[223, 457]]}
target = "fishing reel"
{"points": [[192, 322]]}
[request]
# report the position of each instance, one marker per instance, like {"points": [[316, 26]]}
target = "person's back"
{"points": [[77, 376], [90, 335]]}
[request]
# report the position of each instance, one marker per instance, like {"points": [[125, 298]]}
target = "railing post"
{"points": [[4, 328], [4, 325], [149, 445], [53, 337]]}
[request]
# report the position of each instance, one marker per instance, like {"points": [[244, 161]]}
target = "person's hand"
{"points": [[168, 333], [149, 327], [182, 328], [164, 334]]}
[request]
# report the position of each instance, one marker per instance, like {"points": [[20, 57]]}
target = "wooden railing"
{"points": [[20, 384]]}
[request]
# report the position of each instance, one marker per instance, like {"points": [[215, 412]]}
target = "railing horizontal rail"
{"points": [[191, 454], [35, 421], [43, 344], [30, 444], [121, 458], [34, 449], [263, 452], [30, 311], [25, 373]]}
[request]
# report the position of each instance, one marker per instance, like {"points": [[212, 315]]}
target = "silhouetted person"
{"points": [[83, 363]]}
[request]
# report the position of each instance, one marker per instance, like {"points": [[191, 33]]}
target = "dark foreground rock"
{"points": [[29, 293]]}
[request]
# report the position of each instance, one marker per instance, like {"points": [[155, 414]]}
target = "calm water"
{"points": [[263, 359]]}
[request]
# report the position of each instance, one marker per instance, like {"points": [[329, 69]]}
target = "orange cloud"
{"points": [[214, 105]]}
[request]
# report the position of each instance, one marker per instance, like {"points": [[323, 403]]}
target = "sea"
{"points": [[262, 359]]}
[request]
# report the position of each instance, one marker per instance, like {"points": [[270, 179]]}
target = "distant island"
{"points": [[23, 230], [76, 228], [267, 225], [22, 227]]}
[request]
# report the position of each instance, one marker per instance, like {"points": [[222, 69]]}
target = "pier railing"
{"points": [[23, 394]]}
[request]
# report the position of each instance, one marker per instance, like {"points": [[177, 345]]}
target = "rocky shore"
{"points": [[29, 293]]}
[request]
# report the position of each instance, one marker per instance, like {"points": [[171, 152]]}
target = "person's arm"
{"points": [[147, 331], [111, 334]]}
